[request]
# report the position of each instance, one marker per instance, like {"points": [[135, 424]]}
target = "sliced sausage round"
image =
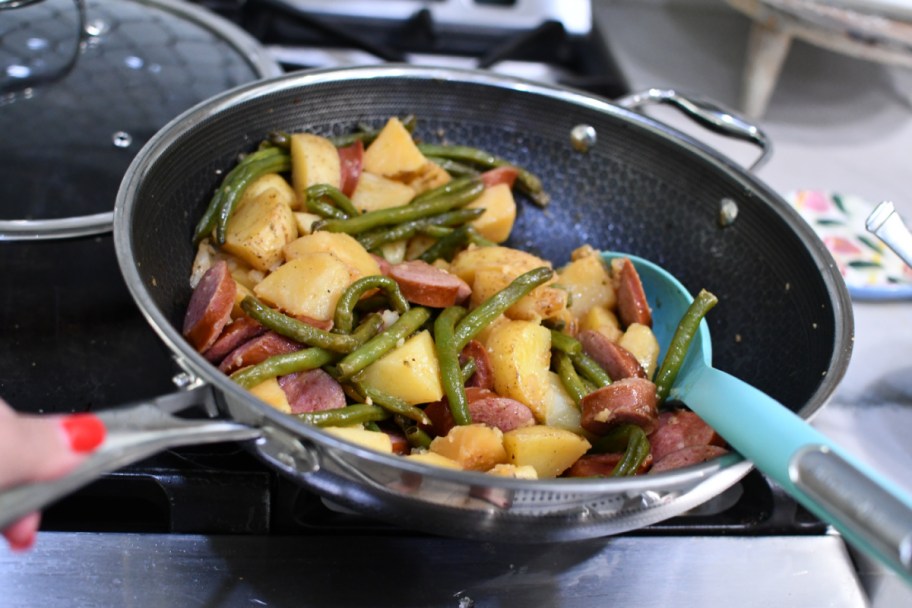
{"points": [[631, 400], [631, 298], [427, 285], [312, 391], [601, 465], [209, 310], [617, 361], [685, 457], [236, 333], [485, 407], [500, 175], [350, 164], [679, 429], [257, 350], [484, 373]]}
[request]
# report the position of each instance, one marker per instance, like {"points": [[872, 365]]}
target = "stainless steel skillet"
{"points": [[784, 323]]}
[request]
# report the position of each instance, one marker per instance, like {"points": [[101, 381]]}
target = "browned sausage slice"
{"points": [[257, 350], [631, 400], [484, 373], [631, 299], [312, 391], [601, 465], [616, 360], [685, 457], [209, 310], [485, 407], [350, 163], [428, 285], [236, 333], [679, 429]]}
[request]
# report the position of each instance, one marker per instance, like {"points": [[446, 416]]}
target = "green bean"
{"points": [[436, 232], [388, 234], [451, 187], [529, 183], [345, 307], [383, 342], [590, 369], [629, 439], [448, 359], [494, 306], [476, 238], [569, 378], [636, 452], [393, 404], [210, 217], [417, 437], [446, 248], [468, 370], [296, 330], [324, 209], [564, 343], [680, 342], [403, 213], [454, 167], [279, 139], [342, 202], [345, 416], [282, 365], [252, 170]]}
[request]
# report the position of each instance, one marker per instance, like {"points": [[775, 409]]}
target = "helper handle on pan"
{"points": [[55, 229], [707, 113], [872, 513], [133, 433]]}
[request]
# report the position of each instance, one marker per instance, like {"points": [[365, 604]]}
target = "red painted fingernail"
{"points": [[86, 431], [22, 543]]}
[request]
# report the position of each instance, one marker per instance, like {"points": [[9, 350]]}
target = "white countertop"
{"points": [[837, 124]]}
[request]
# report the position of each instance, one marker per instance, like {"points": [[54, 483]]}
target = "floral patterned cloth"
{"points": [[869, 267]]}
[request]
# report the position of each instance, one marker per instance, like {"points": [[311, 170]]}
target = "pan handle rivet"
{"points": [[583, 137], [728, 212]]}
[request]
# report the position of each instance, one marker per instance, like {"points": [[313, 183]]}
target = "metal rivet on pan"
{"points": [[122, 139], [728, 212], [583, 137]]}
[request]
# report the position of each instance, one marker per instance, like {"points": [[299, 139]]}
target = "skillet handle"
{"points": [[133, 433], [707, 113]]}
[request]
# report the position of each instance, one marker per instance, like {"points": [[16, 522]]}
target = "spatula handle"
{"points": [[870, 511]]}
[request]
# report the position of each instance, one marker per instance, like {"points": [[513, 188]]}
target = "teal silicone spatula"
{"points": [[871, 512]]}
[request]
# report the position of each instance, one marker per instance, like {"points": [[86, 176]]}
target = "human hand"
{"points": [[41, 448]]}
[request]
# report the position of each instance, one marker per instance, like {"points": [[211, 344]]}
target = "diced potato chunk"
{"points": [[496, 222], [602, 320], [429, 176], [314, 160], [589, 284], [511, 470], [273, 180], [490, 269], [270, 392], [520, 353], [309, 285], [642, 344], [372, 440], [560, 409], [306, 221], [476, 447], [375, 192], [434, 459], [343, 246], [393, 153], [410, 372], [550, 451], [259, 229]]}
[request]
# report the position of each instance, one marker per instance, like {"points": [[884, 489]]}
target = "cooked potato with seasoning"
{"points": [[364, 289]]}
